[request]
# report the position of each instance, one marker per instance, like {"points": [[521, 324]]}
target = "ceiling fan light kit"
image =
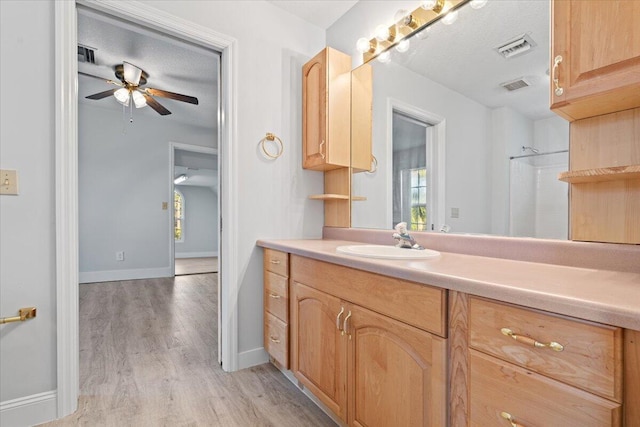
{"points": [[131, 79]]}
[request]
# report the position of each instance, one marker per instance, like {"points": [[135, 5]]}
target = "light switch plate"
{"points": [[455, 212], [8, 182]]}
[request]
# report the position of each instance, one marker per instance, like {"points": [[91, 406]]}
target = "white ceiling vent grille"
{"points": [[86, 54], [516, 84], [516, 46]]}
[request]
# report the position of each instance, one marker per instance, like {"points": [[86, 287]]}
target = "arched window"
{"points": [[178, 216]]}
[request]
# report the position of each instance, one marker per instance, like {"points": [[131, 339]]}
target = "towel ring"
{"points": [[272, 137], [374, 165]]}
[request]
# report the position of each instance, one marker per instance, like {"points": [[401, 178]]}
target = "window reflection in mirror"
{"points": [[483, 181]]}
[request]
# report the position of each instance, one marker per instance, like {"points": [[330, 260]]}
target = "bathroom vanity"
{"points": [[459, 340]]}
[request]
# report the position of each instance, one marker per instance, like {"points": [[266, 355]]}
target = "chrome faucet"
{"points": [[403, 239]]}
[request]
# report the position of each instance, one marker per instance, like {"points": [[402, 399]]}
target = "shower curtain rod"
{"points": [[538, 154]]}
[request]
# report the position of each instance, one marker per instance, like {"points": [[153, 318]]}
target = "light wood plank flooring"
{"points": [[196, 265], [148, 358]]}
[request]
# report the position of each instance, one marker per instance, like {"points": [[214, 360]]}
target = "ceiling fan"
{"points": [[130, 90]]}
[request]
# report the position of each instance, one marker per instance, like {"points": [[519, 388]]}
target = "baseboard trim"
{"points": [[196, 254], [131, 274], [257, 356], [29, 410]]}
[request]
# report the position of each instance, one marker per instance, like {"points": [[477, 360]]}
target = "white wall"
{"points": [[200, 223], [466, 148], [272, 195], [123, 180]]}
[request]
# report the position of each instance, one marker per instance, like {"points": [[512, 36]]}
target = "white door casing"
{"points": [[66, 179]]}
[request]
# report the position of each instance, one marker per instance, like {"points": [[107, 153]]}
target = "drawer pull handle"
{"points": [[344, 325], [338, 319], [507, 416], [556, 63], [322, 151], [274, 340], [530, 341], [275, 261], [274, 296]]}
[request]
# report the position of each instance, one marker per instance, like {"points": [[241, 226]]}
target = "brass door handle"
{"points": [[274, 340], [274, 296], [507, 416], [338, 319], [556, 64], [530, 341], [344, 325], [23, 314]]}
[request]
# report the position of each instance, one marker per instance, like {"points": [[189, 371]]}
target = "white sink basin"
{"points": [[386, 252]]}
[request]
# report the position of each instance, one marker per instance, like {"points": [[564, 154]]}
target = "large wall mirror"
{"points": [[462, 132]]}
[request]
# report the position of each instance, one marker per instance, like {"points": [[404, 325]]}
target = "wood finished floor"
{"points": [[148, 358]]}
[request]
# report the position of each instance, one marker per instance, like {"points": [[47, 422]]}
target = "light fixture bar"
{"points": [[410, 24], [180, 178]]}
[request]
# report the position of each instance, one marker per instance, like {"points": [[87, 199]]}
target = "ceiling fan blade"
{"points": [[156, 105], [113, 82], [101, 95], [132, 73], [172, 95]]}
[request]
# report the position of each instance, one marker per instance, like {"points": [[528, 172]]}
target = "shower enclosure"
{"points": [[538, 201]]}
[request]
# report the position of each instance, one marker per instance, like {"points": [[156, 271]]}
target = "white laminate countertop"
{"points": [[603, 296]]}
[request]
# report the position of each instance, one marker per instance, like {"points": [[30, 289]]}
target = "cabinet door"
{"points": [[314, 113], [396, 373], [599, 41], [317, 346]]}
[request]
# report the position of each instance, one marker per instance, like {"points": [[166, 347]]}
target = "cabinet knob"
{"points": [[556, 64], [530, 341], [274, 340]]}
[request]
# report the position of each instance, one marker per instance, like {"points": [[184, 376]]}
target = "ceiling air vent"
{"points": [[516, 84], [86, 54], [516, 46]]}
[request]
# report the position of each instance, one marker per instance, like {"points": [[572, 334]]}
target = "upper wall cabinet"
{"points": [[595, 57], [326, 115]]}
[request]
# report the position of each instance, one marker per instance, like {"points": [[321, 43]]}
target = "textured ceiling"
{"points": [[321, 13], [461, 56], [172, 65]]}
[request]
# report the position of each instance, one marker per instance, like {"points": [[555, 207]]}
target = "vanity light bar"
{"points": [[410, 24]]}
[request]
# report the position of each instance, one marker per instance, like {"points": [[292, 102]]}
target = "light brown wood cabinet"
{"points": [[326, 111], [370, 369], [598, 42], [276, 306]]}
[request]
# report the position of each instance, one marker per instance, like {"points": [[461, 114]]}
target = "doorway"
{"points": [[67, 180]]}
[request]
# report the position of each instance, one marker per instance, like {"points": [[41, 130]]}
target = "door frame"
{"points": [[66, 179], [436, 159]]}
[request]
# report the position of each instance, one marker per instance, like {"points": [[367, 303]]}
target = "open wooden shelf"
{"points": [[329, 197], [601, 174]]}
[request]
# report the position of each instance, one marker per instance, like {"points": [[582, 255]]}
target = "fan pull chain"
{"points": [[131, 106]]}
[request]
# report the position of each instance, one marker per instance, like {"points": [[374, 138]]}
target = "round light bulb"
{"points": [[122, 96], [384, 57], [403, 46], [400, 15], [428, 4], [381, 33], [363, 45], [477, 4], [450, 17]]}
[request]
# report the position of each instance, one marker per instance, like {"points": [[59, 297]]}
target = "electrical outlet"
{"points": [[120, 256], [9, 182], [455, 212]]}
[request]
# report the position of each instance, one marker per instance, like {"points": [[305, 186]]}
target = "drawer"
{"points": [[412, 303], [276, 342], [591, 357], [276, 296], [532, 400], [276, 262]]}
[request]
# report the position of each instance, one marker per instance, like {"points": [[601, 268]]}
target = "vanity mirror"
{"points": [[462, 133]]}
